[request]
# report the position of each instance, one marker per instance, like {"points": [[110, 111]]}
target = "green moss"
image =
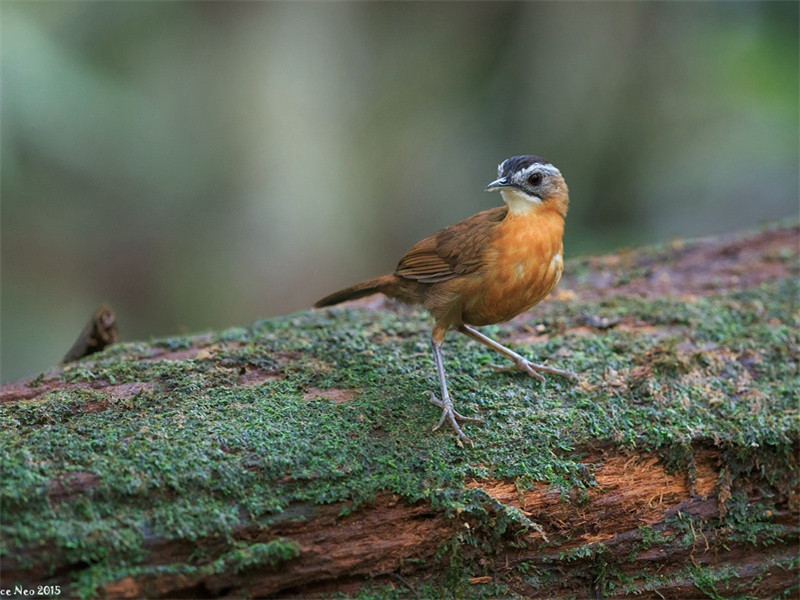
{"points": [[240, 557], [246, 556], [194, 455]]}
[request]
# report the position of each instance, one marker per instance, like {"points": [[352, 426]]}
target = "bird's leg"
{"points": [[449, 413], [520, 362]]}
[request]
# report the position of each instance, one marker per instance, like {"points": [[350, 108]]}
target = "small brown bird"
{"points": [[485, 269]]}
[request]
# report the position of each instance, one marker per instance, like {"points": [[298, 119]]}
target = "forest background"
{"points": [[203, 165]]}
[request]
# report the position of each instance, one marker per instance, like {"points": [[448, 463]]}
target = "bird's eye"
{"points": [[535, 179]]}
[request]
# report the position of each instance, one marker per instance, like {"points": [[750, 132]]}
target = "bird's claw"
{"points": [[452, 416], [518, 366], [533, 369]]}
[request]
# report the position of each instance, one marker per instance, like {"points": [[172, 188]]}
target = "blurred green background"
{"points": [[199, 165]]}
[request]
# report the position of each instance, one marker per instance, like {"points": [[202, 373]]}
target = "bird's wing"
{"points": [[452, 251]]}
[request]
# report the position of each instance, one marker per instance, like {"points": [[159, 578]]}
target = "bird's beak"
{"points": [[497, 184]]}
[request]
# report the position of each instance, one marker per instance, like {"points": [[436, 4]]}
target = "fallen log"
{"points": [[294, 458]]}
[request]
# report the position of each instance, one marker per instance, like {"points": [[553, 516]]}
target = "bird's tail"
{"points": [[365, 288]]}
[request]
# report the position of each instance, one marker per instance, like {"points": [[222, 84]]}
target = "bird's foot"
{"points": [[452, 416], [533, 369]]}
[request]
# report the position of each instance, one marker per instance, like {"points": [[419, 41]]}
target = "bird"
{"points": [[484, 270]]}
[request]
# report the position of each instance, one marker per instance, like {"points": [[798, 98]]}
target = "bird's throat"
{"points": [[520, 203]]}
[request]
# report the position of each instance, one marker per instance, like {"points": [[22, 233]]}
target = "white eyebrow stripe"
{"points": [[538, 167]]}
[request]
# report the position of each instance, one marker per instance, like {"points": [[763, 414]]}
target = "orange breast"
{"points": [[523, 265]]}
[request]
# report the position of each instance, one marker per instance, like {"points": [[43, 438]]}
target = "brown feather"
{"points": [[365, 288], [452, 251]]}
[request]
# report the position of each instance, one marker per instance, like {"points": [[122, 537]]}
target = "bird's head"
{"points": [[530, 183]]}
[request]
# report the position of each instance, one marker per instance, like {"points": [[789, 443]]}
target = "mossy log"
{"points": [[294, 457]]}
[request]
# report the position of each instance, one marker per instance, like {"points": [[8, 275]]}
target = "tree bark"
{"points": [[294, 457]]}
